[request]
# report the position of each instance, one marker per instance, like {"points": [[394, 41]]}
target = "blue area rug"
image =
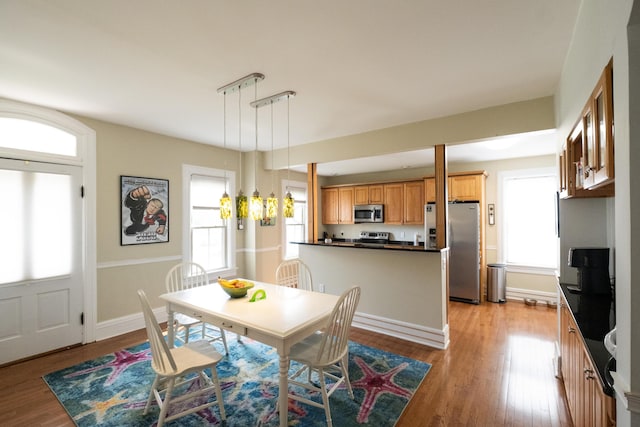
{"points": [[112, 390]]}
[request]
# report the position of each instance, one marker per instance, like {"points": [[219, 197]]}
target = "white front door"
{"points": [[41, 289]]}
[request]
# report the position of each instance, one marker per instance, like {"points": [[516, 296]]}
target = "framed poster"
{"points": [[144, 204]]}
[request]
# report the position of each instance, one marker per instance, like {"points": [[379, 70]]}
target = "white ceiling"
{"points": [[356, 65]]}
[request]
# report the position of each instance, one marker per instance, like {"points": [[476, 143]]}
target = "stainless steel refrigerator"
{"points": [[464, 249]]}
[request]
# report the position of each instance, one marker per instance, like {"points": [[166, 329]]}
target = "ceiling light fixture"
{"points": [[272, 202], [287, 208], [256, 208], [238, 85], [225, 200]]}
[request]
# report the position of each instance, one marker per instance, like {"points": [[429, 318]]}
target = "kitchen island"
{"points": [[404, 287]]}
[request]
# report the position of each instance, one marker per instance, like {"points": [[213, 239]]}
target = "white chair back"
{"points": [[335, 339], [294, 273], [185, 276], [161, 358]]}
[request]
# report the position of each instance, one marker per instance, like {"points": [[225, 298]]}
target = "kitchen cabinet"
{"points": [[413, 202], [337, 205], [368, 194], [598, 159], [462, 187], [588, 404], [586, 161], [393, 203], [465, 188], [429, 190]]}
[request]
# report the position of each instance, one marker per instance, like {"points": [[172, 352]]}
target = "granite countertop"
{"points": [[396, 245], [595, 316]]}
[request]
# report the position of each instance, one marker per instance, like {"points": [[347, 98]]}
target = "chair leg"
{"points": [[325, 398], [156, 380], [166, 402], [344, 367], [187, 331], [216, 382]]}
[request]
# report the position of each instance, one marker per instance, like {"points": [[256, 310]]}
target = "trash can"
{"points": [[497, 283]]}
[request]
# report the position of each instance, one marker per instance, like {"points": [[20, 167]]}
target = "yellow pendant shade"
{"points": [[272, 206], [242, 208], [225, 206], [287, 208], [256, 207]]}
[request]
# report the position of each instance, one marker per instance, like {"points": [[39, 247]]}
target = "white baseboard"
{"points": [[126, 324], [407, 331], [517, 294]]}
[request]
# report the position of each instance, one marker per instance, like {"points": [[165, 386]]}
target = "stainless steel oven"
{"points": [[368, 213]]}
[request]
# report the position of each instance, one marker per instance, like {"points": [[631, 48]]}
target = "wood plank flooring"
{"points": [[497, 371]]}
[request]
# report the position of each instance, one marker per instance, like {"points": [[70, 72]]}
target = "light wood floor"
{"points": [[497, 371]]}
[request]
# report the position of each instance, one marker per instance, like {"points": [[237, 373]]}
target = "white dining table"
{"points": [[283, 318]]}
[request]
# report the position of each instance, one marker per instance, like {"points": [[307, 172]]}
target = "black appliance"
{"points": [[593, 270]]}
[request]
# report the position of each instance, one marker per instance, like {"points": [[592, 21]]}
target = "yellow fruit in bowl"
{"points": [[236, 288]]}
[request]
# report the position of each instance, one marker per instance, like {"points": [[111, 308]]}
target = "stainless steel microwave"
{"points": [[368, 213]]}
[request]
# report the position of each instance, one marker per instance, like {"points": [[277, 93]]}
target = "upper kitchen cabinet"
{"points": [[598, 160], [466, 187], [586, 161], [462, 187], [394, 203], [368, 195], [414, 202], [337, 205]]}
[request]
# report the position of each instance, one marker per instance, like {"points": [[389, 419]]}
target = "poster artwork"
{"points": [[145, 210]]}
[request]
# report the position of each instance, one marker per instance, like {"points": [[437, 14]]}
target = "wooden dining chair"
{"points": [[294, 273], [326, 354], [188, 275], [171, 365]]}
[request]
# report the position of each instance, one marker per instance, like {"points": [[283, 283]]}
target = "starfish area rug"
{"points": [[112, 390]]}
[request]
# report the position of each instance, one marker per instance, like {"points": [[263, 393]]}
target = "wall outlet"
{"points": [[321, 287], [402, 234]]}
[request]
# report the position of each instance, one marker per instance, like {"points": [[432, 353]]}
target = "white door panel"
{"points": [[41, 291]]}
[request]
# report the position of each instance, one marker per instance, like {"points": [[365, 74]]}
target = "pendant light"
{"points": [[272, 202], [287, 208], [225, 200], [238, 85], [287, 205], [256, 208]]}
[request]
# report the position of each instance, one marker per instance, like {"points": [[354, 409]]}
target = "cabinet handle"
{"points": [[588, 374], [572, 330]]}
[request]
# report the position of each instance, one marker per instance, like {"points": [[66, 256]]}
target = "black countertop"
{"points": [[393, 245], [595, 316]]}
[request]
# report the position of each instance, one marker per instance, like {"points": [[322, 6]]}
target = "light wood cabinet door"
{"points": [[430, 190], [330, 206], [464, 188], [414, 202], [361, 195], [600, 166], [393, 203], [345, 214], [376, 194], [368, 195]]}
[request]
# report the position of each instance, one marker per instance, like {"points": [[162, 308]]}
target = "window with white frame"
{"points": [[528, 218], [210, 240], [295, 228]]}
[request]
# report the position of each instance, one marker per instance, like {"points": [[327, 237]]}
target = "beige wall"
{"points": [[123, 269]]}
